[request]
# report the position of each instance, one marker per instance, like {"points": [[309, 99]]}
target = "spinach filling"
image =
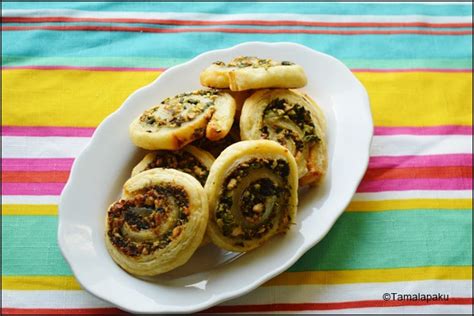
{"points": [[280, 116], [259, 203]]}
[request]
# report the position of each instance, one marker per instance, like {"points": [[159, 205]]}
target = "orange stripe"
{"points": [[233, 22], [415, 173], [225, 30], [371, 174], [35, 176]]}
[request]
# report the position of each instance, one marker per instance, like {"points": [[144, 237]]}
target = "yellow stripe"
{"points": [[354, 206], [66, 97], [40, 283], [366, 276], [29, 209], [287, 278], [419, 99], [409, 204], [397, 99]]}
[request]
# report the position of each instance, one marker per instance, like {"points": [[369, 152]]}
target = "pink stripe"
{"points": [[47, 131], [26, 164], [420, 161], [11, 188], [413, 70], [14, 188], [415, 184], [427, 130], [91, 68], [64, 164]]}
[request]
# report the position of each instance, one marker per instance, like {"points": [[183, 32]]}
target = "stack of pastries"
{"points": [[224, 166]]}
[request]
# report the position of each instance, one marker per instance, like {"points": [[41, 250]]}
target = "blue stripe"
{"points": [[251, 7], [240, 26], [187, 45]]}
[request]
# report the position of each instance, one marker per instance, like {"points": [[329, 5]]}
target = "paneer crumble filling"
{"points": [[148, 221], [253, 62], [180, 109], [180, 160]]}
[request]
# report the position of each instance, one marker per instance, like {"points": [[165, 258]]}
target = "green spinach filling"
{"points": [[254, 194], [284, 120]]}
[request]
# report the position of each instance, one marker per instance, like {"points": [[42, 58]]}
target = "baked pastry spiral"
{"points": [[179, 120], [252, 191], [295, 121], [245, 73], [216, 147], [190, 159], [239, 97], [159, 222]]}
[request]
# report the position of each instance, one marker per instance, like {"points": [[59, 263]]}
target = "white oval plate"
{"points": [[212, 275]]}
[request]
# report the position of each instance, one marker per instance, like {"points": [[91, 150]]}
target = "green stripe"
{"points": [[357, 241], [29, 246], [393, 239], [158, 62]]}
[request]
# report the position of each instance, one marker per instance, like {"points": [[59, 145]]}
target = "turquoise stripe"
{"points": [[188, 45], [157, 62], [241, 26], [357, 241], [251, 7], [29, 246], [393, 239]]}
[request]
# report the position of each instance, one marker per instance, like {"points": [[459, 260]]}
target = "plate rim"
{"points": [[216, 299]]}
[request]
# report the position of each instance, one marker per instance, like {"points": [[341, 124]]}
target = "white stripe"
{"points": [[415, 194], [51, 299], [30, 199], [262, 295], [252, 16], [42, 147], [398, 145], [349, 292]]}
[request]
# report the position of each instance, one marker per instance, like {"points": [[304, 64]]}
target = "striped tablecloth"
{"points": [[408, 230]]}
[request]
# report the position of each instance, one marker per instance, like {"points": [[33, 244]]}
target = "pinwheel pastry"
{"points": [[159, 222], [295, 121], [179, 120], [190, 159], [252, 192], [239, 97], [216, 147], [244, 73]]}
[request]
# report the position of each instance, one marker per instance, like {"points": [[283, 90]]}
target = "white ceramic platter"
{"points": [[212, 275]]}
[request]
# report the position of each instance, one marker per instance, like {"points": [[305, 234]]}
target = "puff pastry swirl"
{"points": [[252, 192], [159, 222], [190, 159], [246, 72], [179, 120], [295, 121]]}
